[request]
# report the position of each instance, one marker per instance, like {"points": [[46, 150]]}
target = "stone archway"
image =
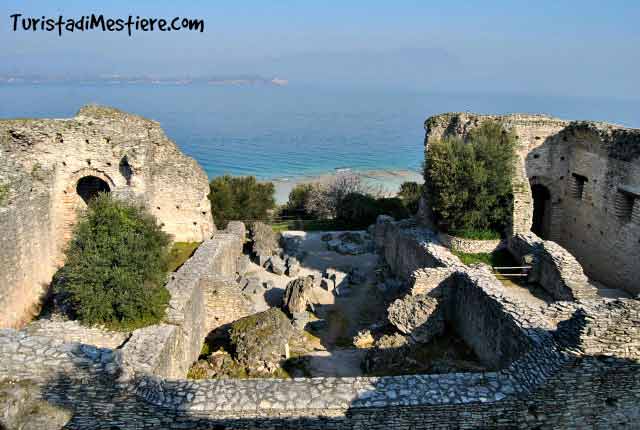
{"points": [[541, 224], [81, 187], [89, 187]]}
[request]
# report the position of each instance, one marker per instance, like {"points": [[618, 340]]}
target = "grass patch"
{"points": [[179, 253], [476, 234], [309, 225], [499, 258]]}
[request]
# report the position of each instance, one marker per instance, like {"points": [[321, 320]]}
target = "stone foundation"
{"points": [[470, 246], [569, 365]]}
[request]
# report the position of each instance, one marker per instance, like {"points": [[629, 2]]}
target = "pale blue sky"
{"points": [[586, 47]]}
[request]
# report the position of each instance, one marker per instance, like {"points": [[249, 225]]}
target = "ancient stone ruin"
{"points": [[569, 358], [577, 184], [51, 167]]}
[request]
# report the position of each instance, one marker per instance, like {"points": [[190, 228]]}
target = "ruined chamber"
{"points": [[576, 183], [50, 168]]}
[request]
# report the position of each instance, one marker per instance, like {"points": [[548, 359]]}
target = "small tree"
{"points": [[469, 183], [410, 193], [324, 200], [115, 266], [298, 201], [361, 210], [240, 198]]}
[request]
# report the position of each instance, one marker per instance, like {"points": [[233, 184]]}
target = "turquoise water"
{"points": [[276, 132]]}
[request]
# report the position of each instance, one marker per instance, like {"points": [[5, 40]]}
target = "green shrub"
{"points": [[392, 206], [469, 183], [298, 201], [358, 211], [410, 193], [240, 198], [115, 266]]}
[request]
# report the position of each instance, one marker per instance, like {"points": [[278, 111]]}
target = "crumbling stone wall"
{"points": [[43, 161], [169, 349], [407, 246], [591, 171], [470, 246], [571, 365], [553, 267]]}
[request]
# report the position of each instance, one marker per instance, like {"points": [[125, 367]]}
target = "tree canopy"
{"points": [[240, 198], [115, 266], [469, 182]]}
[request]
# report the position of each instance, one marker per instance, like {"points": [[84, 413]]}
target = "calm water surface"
{"points": [[276, 132]]}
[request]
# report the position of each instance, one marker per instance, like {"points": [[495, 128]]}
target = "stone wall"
{"points": [[470, 246], [225, 303], [407, 246], [26, 229], [168, 349], [591, 172], [552, 371], [571, 365], [42, 164], [553, 267]]}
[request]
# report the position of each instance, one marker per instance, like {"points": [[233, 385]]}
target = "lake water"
{"points": [[280, 132]]}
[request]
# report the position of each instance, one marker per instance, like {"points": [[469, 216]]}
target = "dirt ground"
{"points": [[336, 318]]}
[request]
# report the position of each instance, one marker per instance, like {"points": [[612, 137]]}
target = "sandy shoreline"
{"points": [[386, 180]]}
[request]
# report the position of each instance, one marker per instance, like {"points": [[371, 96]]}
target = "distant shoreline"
{"points": [[387, 180]]}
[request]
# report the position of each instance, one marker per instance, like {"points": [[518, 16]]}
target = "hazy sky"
{"points": [[584, 47]]}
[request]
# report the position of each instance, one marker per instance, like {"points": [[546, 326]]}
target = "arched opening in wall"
{"points": [[125, 169], [541, 210], [88, 187]]}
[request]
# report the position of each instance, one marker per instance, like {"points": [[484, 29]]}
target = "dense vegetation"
{"points": [[359, 211], [410, 193], [115, 267], [298, 204], [469, 183], [240, 198], [345, 203]]}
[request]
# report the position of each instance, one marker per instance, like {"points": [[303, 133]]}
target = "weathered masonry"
{"points": [[50, 168], [577, 184], [565, 365]]}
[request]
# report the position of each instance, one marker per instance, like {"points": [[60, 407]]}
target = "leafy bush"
{"points": [[357, 210], [392, 206], [240, 198], [410, 193], [469, 183], [361, 210], [298, 201], [324, 200], [115, 267]]}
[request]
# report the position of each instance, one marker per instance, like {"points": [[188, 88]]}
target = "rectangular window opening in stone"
{"points": [[624, 205], [577, 185]]}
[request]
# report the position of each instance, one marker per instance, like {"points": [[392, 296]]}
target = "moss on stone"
{"points": [[180, 252]]}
